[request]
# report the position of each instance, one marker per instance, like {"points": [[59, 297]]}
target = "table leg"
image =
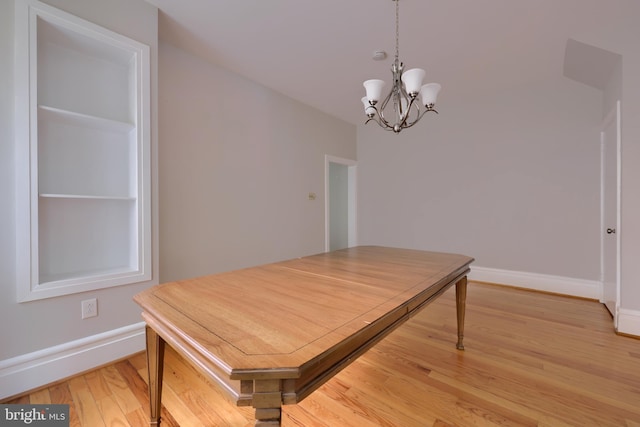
{"points": [[155, 365], [461, 299], [267, 401]]}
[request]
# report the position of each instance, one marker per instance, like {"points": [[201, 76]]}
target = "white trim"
{"points": [[29, 371], [619, 227], [352, 238], [352, 169], [540, 282], [629, 322], [613, 116]]}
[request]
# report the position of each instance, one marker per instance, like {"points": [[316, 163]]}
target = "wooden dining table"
{"points": [[270, 335]]}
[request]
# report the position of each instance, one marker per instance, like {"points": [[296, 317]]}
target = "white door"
{"points": [[340, 203], [610, 139]]}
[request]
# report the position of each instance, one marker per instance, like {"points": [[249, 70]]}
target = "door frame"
{"points": [[613, 115], [352, 167]]}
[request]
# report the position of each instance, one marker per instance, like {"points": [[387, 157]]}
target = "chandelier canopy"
{"points": [[401, 108]]}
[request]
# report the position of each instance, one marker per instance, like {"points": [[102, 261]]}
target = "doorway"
{"points": [[340, 203], [610, 212]]}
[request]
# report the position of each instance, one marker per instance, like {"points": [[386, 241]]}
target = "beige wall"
{"points": [[237, 162], [7, 168], [511, 179]]}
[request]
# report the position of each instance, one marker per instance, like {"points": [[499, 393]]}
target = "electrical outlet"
{"points": [[89, 308]]}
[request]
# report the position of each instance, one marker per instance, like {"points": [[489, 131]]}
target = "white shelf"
{"points": [[83, 120], [72, 278], [86, 197]]}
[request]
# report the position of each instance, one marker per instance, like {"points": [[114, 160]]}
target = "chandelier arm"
{"points": [[382, 125], [407, 126], [404, 122], [380, 111], [410, 102], [410, 124]]}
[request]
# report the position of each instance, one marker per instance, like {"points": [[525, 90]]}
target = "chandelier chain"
{"points": [[397, 30]]}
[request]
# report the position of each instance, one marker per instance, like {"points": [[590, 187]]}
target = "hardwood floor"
{"points": [[531, 359]]}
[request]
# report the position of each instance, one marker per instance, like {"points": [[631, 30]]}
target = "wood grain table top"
{"points": [[281, 317]]}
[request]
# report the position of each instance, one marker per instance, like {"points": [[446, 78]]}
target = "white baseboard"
{"points": [[540, 282], [629, 322], [30, 371]]}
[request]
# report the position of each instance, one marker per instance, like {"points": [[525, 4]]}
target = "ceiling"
{"points": [[320, 51]]}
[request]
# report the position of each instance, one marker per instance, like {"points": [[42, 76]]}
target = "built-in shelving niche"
{"points": [[86, 147]]}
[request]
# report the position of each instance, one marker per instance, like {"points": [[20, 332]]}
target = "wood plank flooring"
{"points": [[531, 359]]}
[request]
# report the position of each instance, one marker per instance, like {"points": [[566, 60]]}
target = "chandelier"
{"points": [[401, 105]]}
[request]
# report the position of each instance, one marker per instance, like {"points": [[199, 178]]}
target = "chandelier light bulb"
{"points": [[412, 80], [374, 90], [369, 110], [429, 94]]}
